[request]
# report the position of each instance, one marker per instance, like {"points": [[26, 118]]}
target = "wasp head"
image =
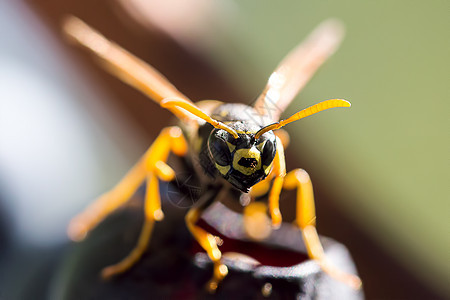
{"points": [[242, 161]]}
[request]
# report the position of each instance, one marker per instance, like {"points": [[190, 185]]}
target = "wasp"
{"points": [[236, 150]]}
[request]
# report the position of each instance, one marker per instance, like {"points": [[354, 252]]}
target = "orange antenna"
{"points": [[304, 113], [193, 109]]}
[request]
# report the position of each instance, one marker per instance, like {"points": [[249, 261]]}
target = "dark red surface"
{"points": [[268, 256]]}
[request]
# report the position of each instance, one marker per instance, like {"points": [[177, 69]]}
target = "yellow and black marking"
{"points": [[232, 141], [242, 161]]}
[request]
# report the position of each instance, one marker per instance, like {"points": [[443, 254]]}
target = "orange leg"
{"points": [[306, 220], [207, 241], [279, 171], [150, 167], [254, 222], [257, 224], [306, 216]]}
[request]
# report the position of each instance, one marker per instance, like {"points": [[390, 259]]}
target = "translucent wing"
{"points": [[126, 66], [297, 68]]}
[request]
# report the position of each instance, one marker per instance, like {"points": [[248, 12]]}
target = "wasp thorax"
{"points": [[243, 161]]}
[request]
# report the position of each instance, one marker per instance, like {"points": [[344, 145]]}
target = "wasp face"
{"points": [[242, 161]]}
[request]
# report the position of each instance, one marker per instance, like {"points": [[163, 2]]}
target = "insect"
{"points": [[235, 149]]}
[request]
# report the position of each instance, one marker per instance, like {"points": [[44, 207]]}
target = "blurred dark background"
{"points": [[69, 131]]}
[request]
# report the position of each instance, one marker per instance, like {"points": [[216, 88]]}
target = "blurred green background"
{"points": [[380, 169]]}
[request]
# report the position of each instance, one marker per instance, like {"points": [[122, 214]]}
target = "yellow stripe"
{"points": [[223, 169], [267, 168], [231, 147], [247, 153]]}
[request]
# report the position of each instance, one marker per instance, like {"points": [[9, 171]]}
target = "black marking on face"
{"points": [[248, 162]]}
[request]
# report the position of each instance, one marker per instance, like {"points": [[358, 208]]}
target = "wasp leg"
{"points": [[134, 255], [277, 174], [283, 136], [153, 213], [80, 225], [306, 219], [279, 171], [152, 167], [207, 241]]}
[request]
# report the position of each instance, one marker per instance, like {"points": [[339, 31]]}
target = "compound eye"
{"points": [[268, 153], [220, 151]]}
